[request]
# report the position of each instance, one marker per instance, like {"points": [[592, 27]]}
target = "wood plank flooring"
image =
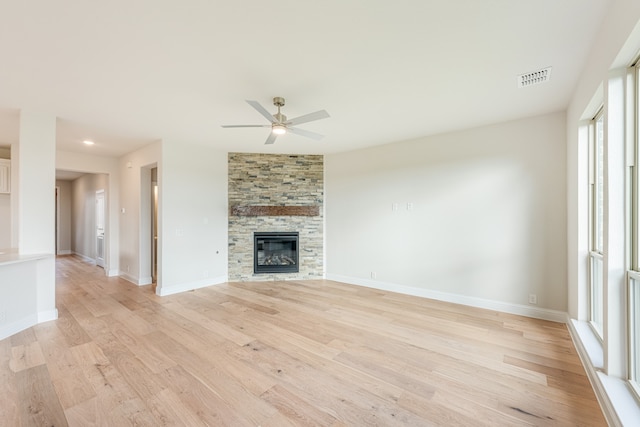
{"points": [[294, 353]]}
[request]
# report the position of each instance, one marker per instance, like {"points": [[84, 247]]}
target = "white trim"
{"points": [[585, 341], [145, 281], [18, 326], [590, 343], [57, 219], [616, 399], [135, 280], [626, 407], [45, 316], [505, 307], [189, 286], [112, 273]]}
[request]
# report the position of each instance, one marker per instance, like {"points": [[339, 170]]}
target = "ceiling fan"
{"points": [[280, 124]]}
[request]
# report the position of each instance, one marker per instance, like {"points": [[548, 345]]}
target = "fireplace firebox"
{"points": [[275, 252]]}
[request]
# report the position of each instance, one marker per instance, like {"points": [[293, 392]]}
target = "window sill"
{"points": [[591, 343], [616, 398]]}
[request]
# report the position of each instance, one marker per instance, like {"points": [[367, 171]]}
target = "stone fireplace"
{"points": [[276, 194]]}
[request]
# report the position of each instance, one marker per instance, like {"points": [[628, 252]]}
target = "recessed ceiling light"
{"points": [[87, 142]]}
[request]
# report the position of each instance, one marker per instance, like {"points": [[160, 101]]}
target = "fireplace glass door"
{"points": [[275, 252]]}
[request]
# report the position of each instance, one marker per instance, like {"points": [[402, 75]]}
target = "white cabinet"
{"points": [[5, 176]]}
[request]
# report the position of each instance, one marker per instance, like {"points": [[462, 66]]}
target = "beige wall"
{"points": [[481, 215], [193, 216], [64, 217]]}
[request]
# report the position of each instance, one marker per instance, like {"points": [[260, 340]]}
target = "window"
{"points": [[633, 291], [596, 270], [634, 331]]}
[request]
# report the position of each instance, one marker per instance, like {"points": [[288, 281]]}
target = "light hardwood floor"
{"points": [[317, 353]]}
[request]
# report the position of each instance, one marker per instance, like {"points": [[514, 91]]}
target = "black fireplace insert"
{"points": [[275, 252]]}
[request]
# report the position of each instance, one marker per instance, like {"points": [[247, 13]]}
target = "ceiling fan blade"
{"points": [[306, 133], [246, 126], [271, 138], [322, 114], [262, 110]]}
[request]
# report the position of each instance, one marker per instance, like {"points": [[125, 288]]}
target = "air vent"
{"points": [[534, 78]]}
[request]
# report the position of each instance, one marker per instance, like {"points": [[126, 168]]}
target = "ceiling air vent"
{"points": [[534, 77]]}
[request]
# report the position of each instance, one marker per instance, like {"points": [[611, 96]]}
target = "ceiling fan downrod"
{"points": [[279, 102]]}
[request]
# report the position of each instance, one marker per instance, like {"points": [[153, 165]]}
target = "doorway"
{"points": [[100, 205], [150, 251], [57, 220], [154, 225]]}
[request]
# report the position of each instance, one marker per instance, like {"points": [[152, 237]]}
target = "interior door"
{"points": [[100, 228]]}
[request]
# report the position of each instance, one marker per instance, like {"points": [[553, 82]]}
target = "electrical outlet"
{"points": [[374, 274], [3, 316], [533, 299]]}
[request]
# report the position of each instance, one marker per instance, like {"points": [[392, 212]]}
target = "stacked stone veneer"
{"points": [[276, 180]]}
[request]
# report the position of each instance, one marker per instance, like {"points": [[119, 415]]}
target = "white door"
{"points": [[100, 228]]}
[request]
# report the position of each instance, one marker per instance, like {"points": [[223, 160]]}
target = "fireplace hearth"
{"points": [[275, 252]]}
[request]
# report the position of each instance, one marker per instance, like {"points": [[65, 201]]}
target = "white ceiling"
{"points": [[126, 73]]}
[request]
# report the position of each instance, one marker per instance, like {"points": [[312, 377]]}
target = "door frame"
{"points": [[101, 193]]}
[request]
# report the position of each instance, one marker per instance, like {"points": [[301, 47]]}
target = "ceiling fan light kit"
{"points": [[278, 129], [279, 123]]}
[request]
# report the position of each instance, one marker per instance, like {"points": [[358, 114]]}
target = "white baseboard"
{"points": [[519, 309], [145, 281], [135, 280], [113, 273], [184, 287], [45, 316], [18, 326]]}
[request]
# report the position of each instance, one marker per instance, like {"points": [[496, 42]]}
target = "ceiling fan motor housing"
{"points": [[278, 101]]}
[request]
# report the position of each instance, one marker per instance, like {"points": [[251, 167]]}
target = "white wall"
{"points": [[193, 217], [134, 265], [83, 212], [35, 179], [488, 220], [36, 176]]}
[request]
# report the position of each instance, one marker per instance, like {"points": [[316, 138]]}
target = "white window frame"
{"points": [[634, 332], [596, 235], [633, 275]]}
